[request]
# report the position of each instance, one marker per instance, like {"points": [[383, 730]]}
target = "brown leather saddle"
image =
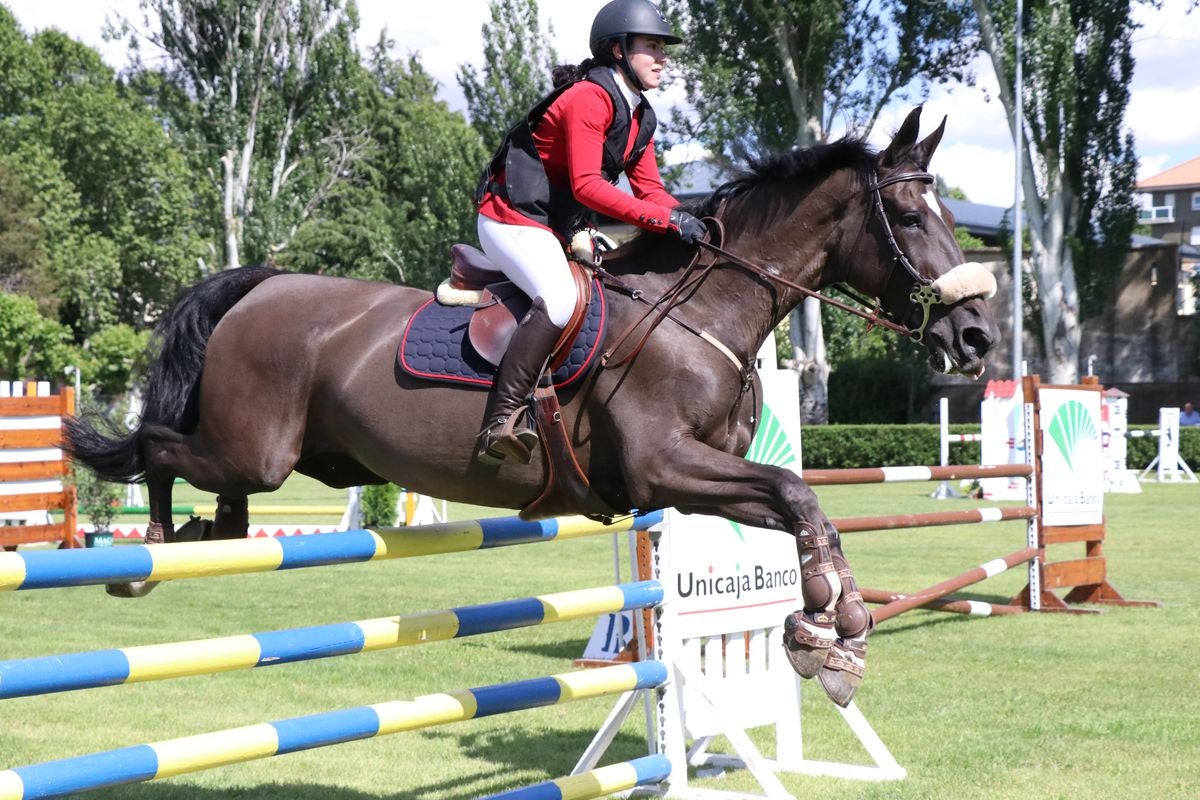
{"points": [[499, 306]]}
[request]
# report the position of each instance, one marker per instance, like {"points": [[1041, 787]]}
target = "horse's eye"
{"points": [[910, 219]]}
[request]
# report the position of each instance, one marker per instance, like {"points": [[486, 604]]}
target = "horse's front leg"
{"points": [[827, 637]]}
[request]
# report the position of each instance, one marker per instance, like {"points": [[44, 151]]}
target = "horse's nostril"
{"points": [[977, 339]]}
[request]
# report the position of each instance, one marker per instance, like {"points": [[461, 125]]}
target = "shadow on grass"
{"points": [[505, 753], [566, 650]]}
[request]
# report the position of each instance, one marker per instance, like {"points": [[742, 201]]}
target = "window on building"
{"points": [[1185, 294], [1196, 235], [1195, 203]]}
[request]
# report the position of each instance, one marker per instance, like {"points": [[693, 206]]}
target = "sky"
{"points": [[975, 155]]}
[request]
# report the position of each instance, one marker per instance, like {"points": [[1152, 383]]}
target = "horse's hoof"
{"points": [[807, 639], [130, 588], [842, 672]]}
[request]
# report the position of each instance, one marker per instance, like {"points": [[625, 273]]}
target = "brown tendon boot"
{"points": [[847, 660], [519, 371], [808, 634]]}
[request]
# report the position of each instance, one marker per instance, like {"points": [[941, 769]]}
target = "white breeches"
{"points": [[533, 259]]}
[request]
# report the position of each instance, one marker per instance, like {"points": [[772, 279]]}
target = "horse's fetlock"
{"points": [[819, 581]]}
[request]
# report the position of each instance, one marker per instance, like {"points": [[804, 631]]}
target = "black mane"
{"points": [[799, 163]]}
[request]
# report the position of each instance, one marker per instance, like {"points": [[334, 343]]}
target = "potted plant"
{"points": [[100, 502]]}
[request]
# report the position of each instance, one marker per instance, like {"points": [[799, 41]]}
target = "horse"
{"points": [[260, 373]]}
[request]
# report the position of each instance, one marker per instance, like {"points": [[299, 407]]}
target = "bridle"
{"points": [[923, 295]]}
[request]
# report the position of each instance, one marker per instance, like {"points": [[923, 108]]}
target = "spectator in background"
{"points": [[1189, 415]]}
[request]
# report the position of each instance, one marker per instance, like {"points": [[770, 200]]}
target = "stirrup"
{"points": [[499, 441]]}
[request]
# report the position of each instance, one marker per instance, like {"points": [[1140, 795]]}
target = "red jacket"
{"points": [[570, 140]]}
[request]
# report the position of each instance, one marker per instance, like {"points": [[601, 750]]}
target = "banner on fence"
{"points": [[1002, 427], [1072, 458]]}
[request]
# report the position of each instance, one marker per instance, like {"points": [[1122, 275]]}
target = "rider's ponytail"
{"points": [[569, 73]]}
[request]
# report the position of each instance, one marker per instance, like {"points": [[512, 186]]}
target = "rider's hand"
{"points": [[689, 229]]}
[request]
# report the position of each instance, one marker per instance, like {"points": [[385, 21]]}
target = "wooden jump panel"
{"points": [[33, 502], [1079, 572], [11, 535], [1056, 534], [34, 406], [41, 437], [32, 470]]}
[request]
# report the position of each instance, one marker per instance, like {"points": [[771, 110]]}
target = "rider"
{"points": [[555, 166]]}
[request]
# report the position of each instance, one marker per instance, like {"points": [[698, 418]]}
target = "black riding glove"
{"points": [[689, 229]]}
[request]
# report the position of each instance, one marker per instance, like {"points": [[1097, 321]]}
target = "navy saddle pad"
{"points": [[435, 346]]}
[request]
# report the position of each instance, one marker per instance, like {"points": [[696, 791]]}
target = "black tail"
{"points": [[180, 340]]}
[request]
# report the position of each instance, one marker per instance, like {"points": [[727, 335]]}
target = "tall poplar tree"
{"points": [[767, 75], [1079, 165], [517, 60], [258, 88]]}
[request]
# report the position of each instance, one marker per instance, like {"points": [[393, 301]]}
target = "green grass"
{"points": [[1026, 706]]}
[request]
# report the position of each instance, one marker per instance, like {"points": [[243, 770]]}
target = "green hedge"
{"points": [[1140, 452], [841, 446]]}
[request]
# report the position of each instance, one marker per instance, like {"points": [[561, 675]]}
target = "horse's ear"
{"points": [[924, 151], [904, 140]]}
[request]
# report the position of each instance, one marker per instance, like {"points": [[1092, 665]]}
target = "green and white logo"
{"points": [[770, 445], [1072, 425]]}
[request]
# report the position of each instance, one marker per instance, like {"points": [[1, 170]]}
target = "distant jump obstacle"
{"points": [[1085, 578], [32, 467]]}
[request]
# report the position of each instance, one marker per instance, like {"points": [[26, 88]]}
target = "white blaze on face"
{"points": [[931, 200]]}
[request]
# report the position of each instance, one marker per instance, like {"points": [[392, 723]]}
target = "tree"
{"points": [[411, 197], [20, 228], [517, 60], [1079, 165], [31, 346], [258, 86], [765, 76], [115, 213]]}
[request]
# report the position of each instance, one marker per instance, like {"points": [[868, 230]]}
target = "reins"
{"points": [[923, 294]]}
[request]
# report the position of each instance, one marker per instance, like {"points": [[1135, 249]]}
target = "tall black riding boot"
{"points": [[518, 375]]}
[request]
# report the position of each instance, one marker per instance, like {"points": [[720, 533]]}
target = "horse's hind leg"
{"points": [[232, 520], [161, 529]]}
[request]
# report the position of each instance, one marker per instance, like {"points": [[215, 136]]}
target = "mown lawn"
{"points": [[1026, 706]]}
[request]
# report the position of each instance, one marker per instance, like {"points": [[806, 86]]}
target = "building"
{"points": [[1170, 206], [1170, 203]]}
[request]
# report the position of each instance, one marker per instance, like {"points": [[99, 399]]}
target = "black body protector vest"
{"points": [[526, 186]]}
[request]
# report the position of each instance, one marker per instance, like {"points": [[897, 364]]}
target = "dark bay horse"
{"points": [[262, 373]]}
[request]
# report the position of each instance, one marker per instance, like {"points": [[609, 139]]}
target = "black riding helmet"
{"points": [[621, 19]]}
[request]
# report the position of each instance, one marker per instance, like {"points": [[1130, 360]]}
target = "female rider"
{"points": [[555, 166]]}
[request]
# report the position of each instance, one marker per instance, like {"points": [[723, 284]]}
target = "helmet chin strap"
{"points": [[625, 66]]}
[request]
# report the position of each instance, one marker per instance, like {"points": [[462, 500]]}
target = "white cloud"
{"points": [[1164, 112], [1165, 46], [1151, 165]]}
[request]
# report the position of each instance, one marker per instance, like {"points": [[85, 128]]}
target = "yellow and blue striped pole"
{"points": [[71, 671], [45, 569], [206, 751], [597, 783]]}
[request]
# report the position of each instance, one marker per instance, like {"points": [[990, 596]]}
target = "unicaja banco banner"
{"points": [[1072, 457]]}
